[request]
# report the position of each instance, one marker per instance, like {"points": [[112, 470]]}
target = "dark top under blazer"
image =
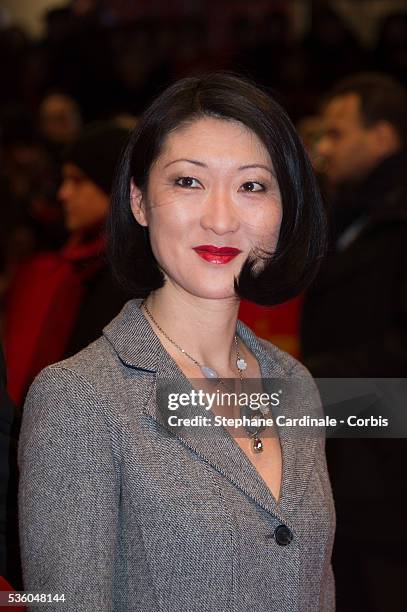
{"points": [[121, 514]]}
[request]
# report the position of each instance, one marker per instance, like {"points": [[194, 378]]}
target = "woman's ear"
{"points": [[138, 205]]}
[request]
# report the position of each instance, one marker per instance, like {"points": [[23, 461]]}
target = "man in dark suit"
{"points": [[354, 324], [9, 425]]}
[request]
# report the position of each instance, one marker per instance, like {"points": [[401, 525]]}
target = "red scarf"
{"points": [[42, 308]]}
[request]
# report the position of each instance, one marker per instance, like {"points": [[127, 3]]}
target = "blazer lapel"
{"points": [[139, 348], [299, 398]]}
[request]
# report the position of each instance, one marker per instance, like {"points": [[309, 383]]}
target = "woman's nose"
{"points": [[219, 213]]}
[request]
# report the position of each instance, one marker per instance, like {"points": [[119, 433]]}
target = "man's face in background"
{"points": [[348, 147]]}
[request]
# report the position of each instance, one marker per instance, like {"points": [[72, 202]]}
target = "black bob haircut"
{"points": [[302, 239]]}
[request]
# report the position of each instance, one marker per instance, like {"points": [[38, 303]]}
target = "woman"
{"points": [[122, 510]]}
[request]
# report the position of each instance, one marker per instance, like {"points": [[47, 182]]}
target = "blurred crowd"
{"points": [[96, 62], [69, 104]]}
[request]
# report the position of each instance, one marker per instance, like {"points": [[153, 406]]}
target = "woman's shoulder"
{"points": [[70, 382], [96, 373], [100, 374], [61, 400], [102, 362], [84, 395]]}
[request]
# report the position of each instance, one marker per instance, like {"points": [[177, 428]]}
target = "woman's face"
{"points": [[212, 187]]}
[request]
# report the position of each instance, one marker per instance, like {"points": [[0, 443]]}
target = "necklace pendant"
{"points": [[241, 364], [257, 445], [208, 372]]}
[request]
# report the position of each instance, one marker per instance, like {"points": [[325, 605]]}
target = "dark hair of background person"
{"points": [[226, 96], [382, 98]]}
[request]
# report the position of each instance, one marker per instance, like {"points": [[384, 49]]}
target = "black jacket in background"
{"points": [[354, 319], [354, 324], [9, 426]]}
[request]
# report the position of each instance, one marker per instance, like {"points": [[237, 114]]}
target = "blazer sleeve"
{"points": [[69, 493]]}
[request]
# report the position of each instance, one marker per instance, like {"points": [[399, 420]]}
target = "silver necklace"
{"points": [[245, 411]]}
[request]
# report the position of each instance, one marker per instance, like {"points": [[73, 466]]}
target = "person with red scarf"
{"points": [[60, 302]]}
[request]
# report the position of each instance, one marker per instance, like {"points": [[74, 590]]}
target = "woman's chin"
{"points": [[214, 292], [208, 290]]}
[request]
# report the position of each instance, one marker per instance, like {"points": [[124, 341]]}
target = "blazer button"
{"points": [[283, 535]]}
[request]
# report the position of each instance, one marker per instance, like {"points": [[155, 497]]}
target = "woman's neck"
{"points": [[204, 328]]}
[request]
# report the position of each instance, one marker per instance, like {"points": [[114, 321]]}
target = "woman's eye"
{"points": [[252, 186], [187, 181]]}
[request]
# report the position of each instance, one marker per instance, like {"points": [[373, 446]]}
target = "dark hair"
{"points": [[382, 98], [97, 150], [301, 242]]}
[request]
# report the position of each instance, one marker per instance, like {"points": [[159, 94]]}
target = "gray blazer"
{"points": [[119, 512]]}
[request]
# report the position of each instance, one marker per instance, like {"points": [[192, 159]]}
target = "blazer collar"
{"points": [[138, 347], [134, 340]]}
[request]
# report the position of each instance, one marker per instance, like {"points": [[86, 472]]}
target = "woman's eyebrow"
{"points": [[258, 166], [191, 161], [202, 165]]}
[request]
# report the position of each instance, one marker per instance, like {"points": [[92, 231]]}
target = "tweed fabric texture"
{"points": [[121, 514]]}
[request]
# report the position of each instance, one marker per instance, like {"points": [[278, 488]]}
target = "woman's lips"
{"points": [[216, 255]]}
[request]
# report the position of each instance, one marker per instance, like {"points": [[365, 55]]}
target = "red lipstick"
{"points": [[216, 255]]}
